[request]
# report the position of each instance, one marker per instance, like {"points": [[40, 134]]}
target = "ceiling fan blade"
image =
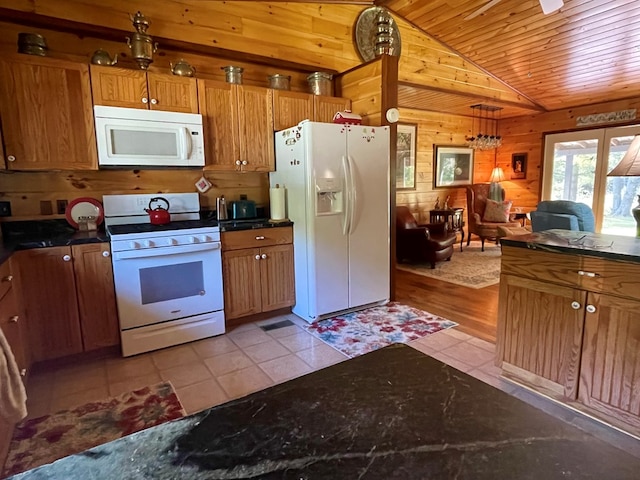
{"points": [[550, 6], [482, 9]]}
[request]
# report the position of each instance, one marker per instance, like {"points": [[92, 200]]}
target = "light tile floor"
{"points": [[247, 359]]}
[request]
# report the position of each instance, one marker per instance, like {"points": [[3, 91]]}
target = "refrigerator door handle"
{"points": [[353, 195], [347, 196]]}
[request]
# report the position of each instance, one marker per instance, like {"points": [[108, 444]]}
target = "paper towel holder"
{"points": [[280, 198]]}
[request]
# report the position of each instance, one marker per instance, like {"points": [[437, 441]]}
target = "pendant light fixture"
{"points": [[487, 137]]}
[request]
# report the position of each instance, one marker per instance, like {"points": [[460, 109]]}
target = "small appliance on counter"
{"points": [[243, 208]]}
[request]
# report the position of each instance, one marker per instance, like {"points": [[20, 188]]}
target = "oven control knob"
{"points": [[194, 240], [206, 238], [135, 245], [149, 243], [172, 241]]}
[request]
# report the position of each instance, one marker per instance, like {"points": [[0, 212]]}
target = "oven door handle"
{"points": [[165, 251]]}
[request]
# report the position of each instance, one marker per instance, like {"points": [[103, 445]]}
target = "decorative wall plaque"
{"points": [[609, 117], [376, 33]]}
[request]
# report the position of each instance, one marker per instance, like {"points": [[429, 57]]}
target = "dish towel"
{"points": [[13, 397]]}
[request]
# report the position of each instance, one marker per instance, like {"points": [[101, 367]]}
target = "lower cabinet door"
{"points": [[610, 369], [540, 334], [276, 275], [48, 293], [241, 278]]}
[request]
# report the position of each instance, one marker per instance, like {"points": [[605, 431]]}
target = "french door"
{"points": [[575, 168]]}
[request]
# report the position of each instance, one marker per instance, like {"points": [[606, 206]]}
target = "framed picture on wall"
{"points": [[406, 156], [518, 166], [453, 166]]}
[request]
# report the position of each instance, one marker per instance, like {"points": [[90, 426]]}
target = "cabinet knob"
{"points": [[257, 257], [8, 278], [238, 162], [591, 308], [11, 158], [23, 372], [244, 162], [260, 237], [14, 319], [66, 258], [106, 254], [575, 305], [588, 274], [145, 100], [263, 256], [154, 101]]}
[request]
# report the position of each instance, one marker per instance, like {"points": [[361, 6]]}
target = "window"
{"points": [[576, 166]]}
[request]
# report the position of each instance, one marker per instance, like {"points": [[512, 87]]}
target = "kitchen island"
{"points": [[392, 413], [569, 321]]}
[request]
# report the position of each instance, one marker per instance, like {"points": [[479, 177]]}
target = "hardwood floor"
{"points": [[476, 310]]}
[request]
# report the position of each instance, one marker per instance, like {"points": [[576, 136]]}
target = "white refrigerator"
{"points": [[336, 180]]}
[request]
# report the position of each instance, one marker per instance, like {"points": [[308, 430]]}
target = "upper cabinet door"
{"points": [[219, 117], [255, 124], [290, 108], [324, 108], [172, 92], [47, 114], [119, 87]]}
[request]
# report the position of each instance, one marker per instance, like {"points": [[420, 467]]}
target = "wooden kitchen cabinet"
{"points": [[238, 126], [257, 268], [569, 327], [290, 108], [46, 114], [121, 87], [12, 321], [68, 297], [97, 309]]}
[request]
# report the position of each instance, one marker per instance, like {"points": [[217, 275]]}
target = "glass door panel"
{"points": [[620, 193]]}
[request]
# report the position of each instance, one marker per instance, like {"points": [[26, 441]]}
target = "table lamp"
{"points": [[629, 166], [497, 176]]}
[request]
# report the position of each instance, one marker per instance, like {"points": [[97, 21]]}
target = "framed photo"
{"points": [[453, 166], [518, 166], [406, 157]]}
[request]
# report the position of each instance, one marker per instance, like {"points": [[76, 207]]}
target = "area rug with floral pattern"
{"points": [[42, 440], [360, 332], [471, 268]]}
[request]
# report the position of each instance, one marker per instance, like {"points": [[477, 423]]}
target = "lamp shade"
{"points": [[629, 166], [497, 175]]}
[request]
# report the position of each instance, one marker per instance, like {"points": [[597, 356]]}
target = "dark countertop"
{"points": [[392, 413], [613, 247], [23, 235]]}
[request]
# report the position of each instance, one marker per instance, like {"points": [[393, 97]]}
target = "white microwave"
{"points": [[148, 138]]}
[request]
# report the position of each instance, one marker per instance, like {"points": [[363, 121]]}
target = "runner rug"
{"points": [[360, 332], [471, 268], [42, 440]]}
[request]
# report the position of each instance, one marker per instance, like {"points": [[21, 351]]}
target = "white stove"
{"points": [[168, 278]]}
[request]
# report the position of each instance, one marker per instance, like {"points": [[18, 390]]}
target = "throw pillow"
{"points": [[497, 211]]}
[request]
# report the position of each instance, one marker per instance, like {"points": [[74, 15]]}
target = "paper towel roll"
{"points": [[277, 203]]}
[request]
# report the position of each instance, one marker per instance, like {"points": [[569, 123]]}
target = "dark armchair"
{"points": [[422, 243], [477, 195]]}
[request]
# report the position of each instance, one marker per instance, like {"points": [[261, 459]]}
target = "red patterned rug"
{"points": [[42, 440], [360, 332]]}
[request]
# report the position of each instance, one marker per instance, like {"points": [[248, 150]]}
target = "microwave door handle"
{"points": [[187, 143]]}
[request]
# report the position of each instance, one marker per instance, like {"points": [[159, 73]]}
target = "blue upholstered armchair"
{"points": [[563, 214]]}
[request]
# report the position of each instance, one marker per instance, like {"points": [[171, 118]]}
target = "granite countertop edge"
{"points": [[613, 247]]}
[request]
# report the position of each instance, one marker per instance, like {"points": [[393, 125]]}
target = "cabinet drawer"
{"points": [[544, 266], [6, 279], [610, 276], [259, 237]]}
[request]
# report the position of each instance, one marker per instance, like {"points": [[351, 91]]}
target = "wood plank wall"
{"points": [[526, 135]]}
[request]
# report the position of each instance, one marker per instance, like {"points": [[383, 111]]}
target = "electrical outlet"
{"points": [[5, 209], [61, 206]]}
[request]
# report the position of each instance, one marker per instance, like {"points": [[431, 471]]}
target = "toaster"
{"points": [[243, 209]]}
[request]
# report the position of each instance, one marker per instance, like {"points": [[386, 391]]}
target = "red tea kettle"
{"points": [[159, 215]]}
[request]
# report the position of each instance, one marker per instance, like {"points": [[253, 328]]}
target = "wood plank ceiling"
{"points": [[587, 52]]}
